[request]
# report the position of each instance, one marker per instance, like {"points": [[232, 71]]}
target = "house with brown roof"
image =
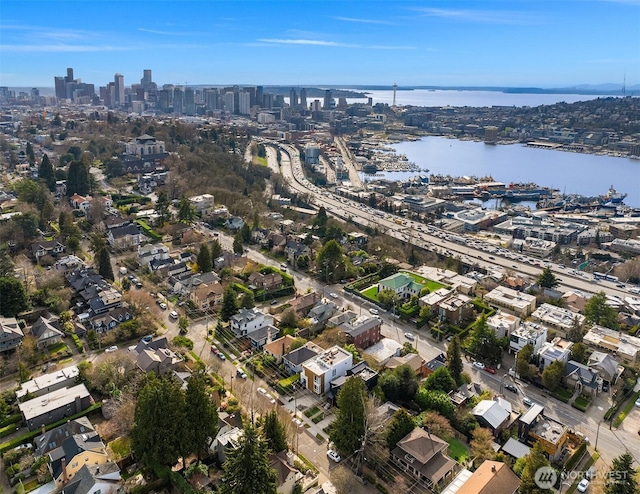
{"points": [[207, 296], [423, 456], [46, 331], [286, 474], [279, 347], [269, 281], [491, 477], [303, 304]]}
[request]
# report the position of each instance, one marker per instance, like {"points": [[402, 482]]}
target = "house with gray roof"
{"points": [[10, 334], [56, 405], [41, 385], [294, 360], [363, 332], [92, 479], [605, 365], [46, 332], [492, 414], [124, 237], [260, 337], [581, 378]]}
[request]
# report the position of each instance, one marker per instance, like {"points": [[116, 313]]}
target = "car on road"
{"points": [[111, 349], [271, 399], [162, 305], [214, 349], [638, 402], [297, 421], [514, 266], [409, 336], [274, 302], [527, 401], [583, 485], [262, 391], [478, 365], [147, 338], [490, 370], [511, 388], [221, 356], [173, 314], [374, 311], [333, 295], [333, 455], [241, 374]]}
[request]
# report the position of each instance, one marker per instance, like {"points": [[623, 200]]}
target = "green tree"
{"points": [[528, 465], [201, 417], [440, 380], [6, 263], [399, 426], [348, 430], [274, 432], [13, 297], [388, 298], [483, 343], [23, 372], [597, 311], [46, 173], [575, 334], [31, 156], [454, 360], [247, 467], [552, 375], [229, 305], [437, 401], [78, 178], [320, 222], [481, 445], [579, 353], [216, 249], [248, 300], [186, 211], [183, 325], [162, 209], [399, 384], [330, 261], [157, 431], [547, 279], [245, 231], [303, 262], [523, 367], [289, 318], [104, 264], [205, 263], [622, 478], [238, 246]]}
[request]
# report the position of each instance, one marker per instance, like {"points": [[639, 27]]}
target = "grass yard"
{"points": [[562, 394], [457, 450], [121, 447], [371, 293]]}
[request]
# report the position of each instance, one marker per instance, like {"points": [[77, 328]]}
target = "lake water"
{"points": [[572, 173], [440, 97]]}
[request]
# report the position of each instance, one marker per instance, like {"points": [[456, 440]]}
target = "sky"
{"points": [[517, 43]]}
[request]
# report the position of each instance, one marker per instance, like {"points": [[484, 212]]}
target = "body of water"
{"points": [[571, 173], [441, 97]]}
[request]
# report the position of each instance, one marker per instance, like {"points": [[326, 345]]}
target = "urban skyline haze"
{"points": [[547, 44]]}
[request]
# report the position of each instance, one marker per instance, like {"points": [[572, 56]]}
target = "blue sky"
{"points": [[543, 43]]}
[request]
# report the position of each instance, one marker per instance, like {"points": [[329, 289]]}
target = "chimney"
{"points": [[43, 429], [493, 468], [64, 471]]}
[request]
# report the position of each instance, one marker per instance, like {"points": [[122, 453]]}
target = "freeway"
{"points": [[470, 249]]}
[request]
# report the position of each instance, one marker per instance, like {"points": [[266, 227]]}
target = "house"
{"points": [[249, 320], [68, 263], [503, 324], [402, 284], [227, 439], [92, 479], [124, 237], [554, 350], [534, 427], [456, 309], [184, 281], [491, 477], [413, 360], [10, 334], [259, 236], [287, 475], [278, 348], [293, 250], [434, 298], [363, 332], [69, 448], [303, 304], [605, 365], [80, 202], [518, 303], [152, 252], [47, 248], [46, 383], [433, 365], [159, 360], [624, 346], [525, 334], [361, 370], [202, 204], [322, 312], [357, 238], [267, 282], [45, 331], [492, 414], [294, 360], [206, 297], [261, 336], [276, 242], [423, 456], [234, 223], [109, 320], [102, 301], [318, 372], [579, 377], [56, 405]]}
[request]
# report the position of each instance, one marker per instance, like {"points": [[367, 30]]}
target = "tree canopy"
{"points": [[622, 478], [274, 432], [348, 430], [205, 263], [454, 360], [597, 311], [399, 426], [483, 342], [13, 297], [547, 279]]}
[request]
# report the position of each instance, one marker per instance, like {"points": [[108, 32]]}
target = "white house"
{"points": [[319, 372], [555, 350], [526, 333], [249, 320]]}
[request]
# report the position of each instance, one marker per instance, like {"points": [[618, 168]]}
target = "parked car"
{"points": [[221, 356], [111, 349], [147, 338], [478, 365], [583, 485], [333, 455], [241, 374], [490, 370], [527, 401], [511, 388], [162, 305], [297, 421], [333, 295], [274, 302], [409, 336], [374, 311], [173, 314], [214, 349]]}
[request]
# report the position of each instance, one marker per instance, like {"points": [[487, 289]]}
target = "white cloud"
{"points": [[312, 42], [64, 48], [364, 21], [482, 16]]}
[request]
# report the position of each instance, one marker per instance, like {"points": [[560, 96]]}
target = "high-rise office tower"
{"points": [[118, 81], [293, 98], [178, 101], [259, 96], [303, 99], [145, 82], [211, 99], [69, 77], [61, 92], [163, 100], [244, 103], [327, 100], [228, 102], [189, 101]]}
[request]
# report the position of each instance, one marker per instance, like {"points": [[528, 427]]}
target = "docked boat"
{"points": [[613, 198]]}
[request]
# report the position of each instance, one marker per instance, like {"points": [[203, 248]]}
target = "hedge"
{"points": [[29, 436], [9, 429], [575, 457], [148, 230], [77, 342], [11, 419]]}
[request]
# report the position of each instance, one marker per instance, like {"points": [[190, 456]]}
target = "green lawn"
{"points": [[562, 394], [371, 293], [457, 450]]}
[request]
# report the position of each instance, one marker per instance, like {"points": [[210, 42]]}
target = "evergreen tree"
{"points": [[205, 263], [483, 343], [440, 380], [13, 297], [162, 209], [186, 211], [547, 279], [157, 434], [201, 417], [274, 433], [399, 426], [216, 249], [348, 430], [229, 304], [6, 263], [597, 311], [245, 231], [454, 360], [529, 465], [622, 478], [31, 157], [77, 179], [104, 264], [247, 467], [238, 246], [330, 260], [247, 301], [46, 173], [575, 334]]}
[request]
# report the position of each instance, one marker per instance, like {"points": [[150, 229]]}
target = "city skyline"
{"points": [[548, 44]]}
